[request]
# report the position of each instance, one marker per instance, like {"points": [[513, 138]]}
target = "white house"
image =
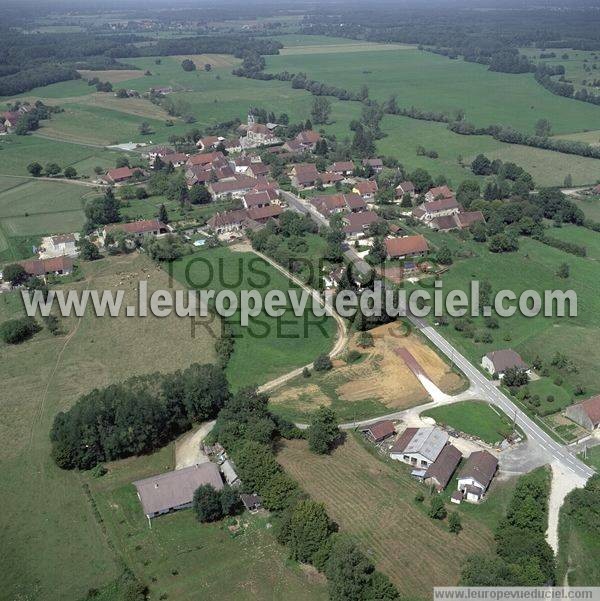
{"points": [[497, 362], [57, 246], [476, 476]]}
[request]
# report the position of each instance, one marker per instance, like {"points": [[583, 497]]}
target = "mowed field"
{"points": [[269, 347], [372, 499]]}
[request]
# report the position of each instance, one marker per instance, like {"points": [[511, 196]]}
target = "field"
{"points": [[592, 457], [53, 546], [380, 382], [269, 346], [372, 499], [533, 267], [590, 205], [472, 417], [581, 237]]}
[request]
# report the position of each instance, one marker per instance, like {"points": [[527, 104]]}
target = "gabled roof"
{"points": [[444, 466], [175, 157], [481, 466], [406, 186], [263, 213], [380, 430], [401, 247], [505, 359], [341, 166], [329, 177], [366, 187], [428, 442], [308, 136], [121, 173], [441, 192], [305, 173], [172, 489], [436, 206], [375, 163], [354, 202], [241, 182], [204, 158], [254, 199], [358, 222], [40, 267], [591, 408]]}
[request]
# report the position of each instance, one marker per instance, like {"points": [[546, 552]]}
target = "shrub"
{"points": [[306, 372], [15, 331], [550, 398], [558, 380], [419, 497], [353, 356], [322, 363], [454, 523], [207, 504], [437, 509]]}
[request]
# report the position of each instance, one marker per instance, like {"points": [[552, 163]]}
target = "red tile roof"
{"points": [[39, 267], [138, 227], [409, 245], [380, 430], [308, 136], [366, 187], [404, 440], [591, 407], [441, 192], [121, 173]]}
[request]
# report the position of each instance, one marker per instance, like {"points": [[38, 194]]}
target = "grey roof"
{"points": [[172, 489], [229, 472], [506, 358], [429, 442]]}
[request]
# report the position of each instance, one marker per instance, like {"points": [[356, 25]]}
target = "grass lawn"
{"points": [[592, 457], [475, 418], [269, 346], [590, 205], [372, 499]]}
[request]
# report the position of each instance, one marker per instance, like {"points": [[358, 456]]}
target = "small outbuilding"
{"points": [[379, 431]]}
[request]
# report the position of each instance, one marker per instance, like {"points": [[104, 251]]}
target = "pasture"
{"points": [[268, 347], [475, 418], [372, 499]]}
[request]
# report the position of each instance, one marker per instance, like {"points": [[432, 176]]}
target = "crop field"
{"points": [[372, 499], [56, 550], [380, 382], [534, 267], [269, 346], [472, 417]]}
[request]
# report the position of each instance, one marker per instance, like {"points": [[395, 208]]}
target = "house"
{"points": [[251, 502], [329, 204], [328, 178], [258, 134], [236, 187], [586, 413], [157, 151], [308, 139], [379, 431], [233, 145], [258, 169], [408, 246], [497, 362], [294, 147], [375, 164], [419, 447], [56, 246], [355, 203], [242, 219], [436, 208], [198, 174], [175, 490], [406, 187], [206, 158], [441, 470], [264, 214], [257, 199], [177, 159], [54, 266], [476, 476], [229, 473], [357, 224], [456, 221], [139, 229], [342, 167], [208, 142], [304, 175], [366, 189], [121, 175], [11, 118], [438, 193], [240, 164]]}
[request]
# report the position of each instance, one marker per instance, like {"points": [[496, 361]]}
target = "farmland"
{"points": [[269, 346], [372, 499], [472, 417]]}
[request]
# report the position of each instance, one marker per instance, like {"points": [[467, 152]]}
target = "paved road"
{"points": [[479, 383]]}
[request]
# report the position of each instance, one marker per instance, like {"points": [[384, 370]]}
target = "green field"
{"points": [[474, 418], [580, 236], [592, 457], [532, 267], [269, 346]]}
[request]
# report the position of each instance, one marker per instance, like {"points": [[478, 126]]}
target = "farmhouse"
{"points": [[177, 159], [379, 431], [438, 193], [258, 169], [157, 151], [328, 178], [441, 470], [208, 142], [172, 491], [457, 221], [419, 447], [243, 218], [375, 164], [146, 227], [408, 246], [342, 167], [258, 199], [476, 476], [120, 175], [56, 246], [308, 139], [366, 189], [436, 208], [356, 224], [258, 134], [304, 175], [10, 119], [41, 267], [497, 362], [586, 413], [207, 158], [406, 187], [236, 187]]}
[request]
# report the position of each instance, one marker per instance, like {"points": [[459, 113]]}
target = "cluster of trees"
{"points": [[15, 331], [582, 506], [137, 416], [102, 211], [250, 433], [523, 556], [211, 505]]}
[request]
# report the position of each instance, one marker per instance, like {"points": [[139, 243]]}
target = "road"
{"points": [[479, 383]]}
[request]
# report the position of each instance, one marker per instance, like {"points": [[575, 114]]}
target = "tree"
{"points": [[479, 231], [321, 109], [323, 431], [208, 67], [103, 210], [444, 255], [502, 243], [564, 271], [515, 376], [378, 252], [568, 182], [188, 65], [306, 530], [88, 251], [70, 172], [421, 180], [454, 523], [15, 274], [199, 195], [35, 169], [122, 161], [279, 492], [481, 165], [437, 509], [144, 128], [543, 128], [229, 498], [406, 201], [322, 363], [468, 191], [362, 143], [207, 504], [52, 169], [163, 216], [15, 331], [348, 571]]}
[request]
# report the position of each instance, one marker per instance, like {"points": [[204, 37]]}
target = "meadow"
{"points": [[269, 346], [372, 499]]}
